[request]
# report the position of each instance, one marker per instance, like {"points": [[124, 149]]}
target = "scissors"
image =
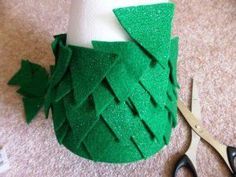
{"points": [[188, 160]]}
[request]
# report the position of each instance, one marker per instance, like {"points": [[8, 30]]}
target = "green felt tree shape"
{"points": [[115, 102]]}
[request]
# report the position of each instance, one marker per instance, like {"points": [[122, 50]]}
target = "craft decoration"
{"points": [[115, 102]]}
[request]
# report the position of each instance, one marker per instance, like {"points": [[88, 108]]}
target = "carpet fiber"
{"points": [[207, 32]]}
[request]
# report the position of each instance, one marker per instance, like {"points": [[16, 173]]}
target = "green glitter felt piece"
{"points": [[115, 102]]}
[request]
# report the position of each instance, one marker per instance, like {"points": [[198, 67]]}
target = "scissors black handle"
{"points": [[187, 163], [231, 152]]}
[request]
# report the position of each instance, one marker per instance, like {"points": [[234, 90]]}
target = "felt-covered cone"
{"points": [[116, 102]]}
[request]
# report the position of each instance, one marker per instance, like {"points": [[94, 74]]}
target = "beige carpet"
{"points": [[207, 31]]}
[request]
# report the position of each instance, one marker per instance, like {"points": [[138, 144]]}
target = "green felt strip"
{"points": [[88, 68], [152, 30]]}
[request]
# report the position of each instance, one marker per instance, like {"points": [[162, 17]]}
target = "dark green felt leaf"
{"points": [[102, 97], [23, 76], [88, 68], [103, 145], [37, 85], [132, 62], [125, 126], [152, 115], [152, 30], [130, 54], [62, 64], [56, 44], [32, 79], [155, 81], [81, 118], [63, 58], [32, 107]]}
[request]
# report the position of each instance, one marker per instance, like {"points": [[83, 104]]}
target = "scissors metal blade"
{"points": [[203, 133]]}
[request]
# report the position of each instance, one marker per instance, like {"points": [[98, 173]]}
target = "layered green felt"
{"points": [[132, 62], [88, 74], [115, 102], [33, 82]]}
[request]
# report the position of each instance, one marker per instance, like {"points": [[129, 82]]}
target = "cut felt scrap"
{"points": [[115, 102], [33, 82]]}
